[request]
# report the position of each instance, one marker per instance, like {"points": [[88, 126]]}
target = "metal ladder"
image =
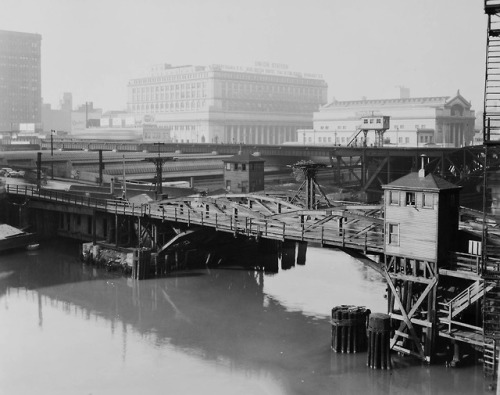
{"points": [[491, 115], [490, 358]]}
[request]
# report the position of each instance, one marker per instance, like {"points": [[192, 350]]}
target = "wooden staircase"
{"points": [[449, 310]]}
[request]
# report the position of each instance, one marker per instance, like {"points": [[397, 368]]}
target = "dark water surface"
{"points": [[66, 328]]}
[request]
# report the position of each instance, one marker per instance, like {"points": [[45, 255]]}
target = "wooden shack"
{"points": [[421, 217], [244, 173]]}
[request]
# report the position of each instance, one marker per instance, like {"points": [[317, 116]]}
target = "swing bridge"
{"points": [[424, 308]]}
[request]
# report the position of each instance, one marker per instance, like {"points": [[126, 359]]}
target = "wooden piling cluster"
{"points": [[379, 335], [349, 328]]}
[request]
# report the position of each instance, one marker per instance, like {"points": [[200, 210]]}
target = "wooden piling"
{"points": [[379, 330], [141, 267], [301, 252], [349, 328]]}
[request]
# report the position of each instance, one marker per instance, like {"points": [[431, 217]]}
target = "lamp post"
{"points": [[52, 153]]}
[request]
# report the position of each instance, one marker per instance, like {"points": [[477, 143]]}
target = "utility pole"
{"points": [[38, 170], [124, 180], [159, 161], [101, 166], [52, 153]]}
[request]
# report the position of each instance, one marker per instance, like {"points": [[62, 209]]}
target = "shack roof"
{"points": [[414, 182], [243, 158]]}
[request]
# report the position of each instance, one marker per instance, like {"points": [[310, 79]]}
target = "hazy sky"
{"points": [[92, 48]]}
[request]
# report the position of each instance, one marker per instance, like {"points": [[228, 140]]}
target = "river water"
{"points": [[66, 328]]}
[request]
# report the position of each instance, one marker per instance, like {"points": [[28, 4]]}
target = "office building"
{"points": [[264, 104], [20, 80]]}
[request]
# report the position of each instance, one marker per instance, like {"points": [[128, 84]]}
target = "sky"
{"points": [[363, 48]]}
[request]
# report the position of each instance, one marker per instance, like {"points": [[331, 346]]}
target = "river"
{"points": [[67, 328]]}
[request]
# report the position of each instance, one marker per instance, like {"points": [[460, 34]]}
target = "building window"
{"points": [[228, 166], [228, 185], [243, 166], [410, 199], [393, 234], [427, 200], [394, 197], [235, 166]]}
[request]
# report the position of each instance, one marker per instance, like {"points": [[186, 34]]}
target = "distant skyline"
{"points": [[92, 48]]}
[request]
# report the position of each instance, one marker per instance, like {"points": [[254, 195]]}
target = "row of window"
{"points": [[234, 88], [168, 107], [241, 166], [268, 79], [426, 200], [169, 96], [394, 127], [174, 78]]}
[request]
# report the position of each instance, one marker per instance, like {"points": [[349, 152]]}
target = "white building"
{"points": [[264, 104], [444, 121]]}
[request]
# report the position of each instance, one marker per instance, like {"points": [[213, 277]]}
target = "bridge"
{"points": [[429, 298], [354, 226], [363, 168]]}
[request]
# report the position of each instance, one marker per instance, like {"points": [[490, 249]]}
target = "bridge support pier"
{"points": [[412, 288]]}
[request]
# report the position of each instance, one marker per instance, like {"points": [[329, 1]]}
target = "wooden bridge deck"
{"points": [[251, 215]]}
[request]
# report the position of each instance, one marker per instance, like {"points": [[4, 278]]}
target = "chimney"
{"points": [[421, 172], [404, 92]]}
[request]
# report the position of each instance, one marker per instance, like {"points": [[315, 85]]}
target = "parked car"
{"points": [[4, 171], [15, 173]]}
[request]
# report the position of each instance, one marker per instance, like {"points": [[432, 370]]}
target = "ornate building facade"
{"points": [[265, 104], [443, 120]]}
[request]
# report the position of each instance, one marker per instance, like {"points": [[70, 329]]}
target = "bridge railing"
{"points": [[366, 240]]}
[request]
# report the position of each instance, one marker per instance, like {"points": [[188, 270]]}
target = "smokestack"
{"points": [[421, 172]]}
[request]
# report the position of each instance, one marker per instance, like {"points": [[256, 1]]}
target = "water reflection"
{"points": [[84, 330]]}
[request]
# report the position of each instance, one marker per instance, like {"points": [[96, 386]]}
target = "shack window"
{"points": [[428, 200], [393, 234], [410, 198], [394, 197]]}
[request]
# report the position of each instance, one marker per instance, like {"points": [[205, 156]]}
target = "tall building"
{"points": [[264, 104], [20, 80], [447, 121]]}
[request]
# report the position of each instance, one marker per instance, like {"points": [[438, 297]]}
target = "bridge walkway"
{"points": [[251, 215]]}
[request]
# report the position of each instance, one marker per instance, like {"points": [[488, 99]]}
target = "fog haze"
{"points": [[362, 48]]}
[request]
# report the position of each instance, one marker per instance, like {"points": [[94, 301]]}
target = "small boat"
{"points": [[11, 237], [32, 247]]}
